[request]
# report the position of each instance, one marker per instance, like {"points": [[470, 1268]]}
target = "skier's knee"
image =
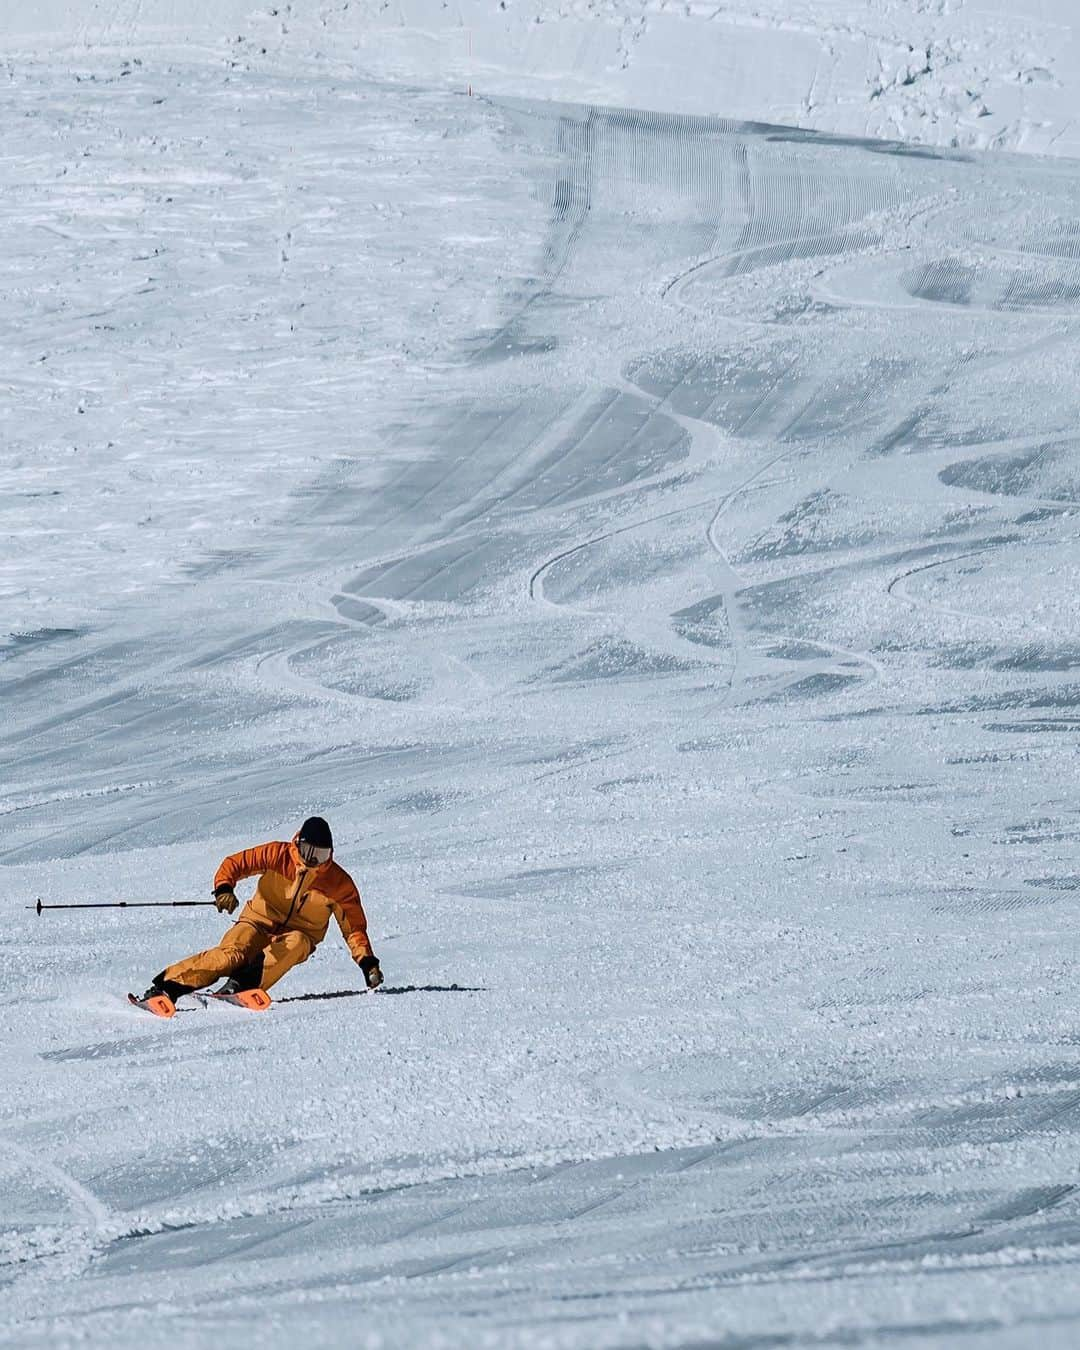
{"points": [[296, 946], [240, 958]]}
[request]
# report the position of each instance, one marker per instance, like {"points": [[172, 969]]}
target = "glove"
{"points": [[372, 974], [225, 901]]}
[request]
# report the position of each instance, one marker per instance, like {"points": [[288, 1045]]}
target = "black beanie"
{"points": [[315, 831]]}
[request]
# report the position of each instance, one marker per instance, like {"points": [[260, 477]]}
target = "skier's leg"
{"points": [[238, 948], [248, 977], [287, 950]]}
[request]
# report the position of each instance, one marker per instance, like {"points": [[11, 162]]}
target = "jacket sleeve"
{"points": [[251, 862], [351, 918]]}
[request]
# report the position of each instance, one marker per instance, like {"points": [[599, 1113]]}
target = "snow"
{"points": [[988, 74], [652, 541]]}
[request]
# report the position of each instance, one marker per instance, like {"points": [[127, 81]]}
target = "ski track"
{"points": [[580, 559]]}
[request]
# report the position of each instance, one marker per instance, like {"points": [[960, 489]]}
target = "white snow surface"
{"points": [[1001, 74], [651, 538]]}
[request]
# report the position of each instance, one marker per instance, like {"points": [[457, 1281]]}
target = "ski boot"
{"points": [[160, 998]]}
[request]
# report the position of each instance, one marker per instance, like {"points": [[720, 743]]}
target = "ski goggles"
{"points": [[312, 854]]}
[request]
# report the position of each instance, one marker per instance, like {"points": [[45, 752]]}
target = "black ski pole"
{"points": [[126, 904]]}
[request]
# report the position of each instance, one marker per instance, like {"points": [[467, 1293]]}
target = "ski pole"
{"points": [[125, 904]]}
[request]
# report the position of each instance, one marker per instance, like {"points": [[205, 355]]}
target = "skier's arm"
{"points": [[352, 921], [249, 863], [349, 912]]}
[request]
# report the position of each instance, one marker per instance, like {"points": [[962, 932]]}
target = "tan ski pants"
{"points": [[241, 945]]}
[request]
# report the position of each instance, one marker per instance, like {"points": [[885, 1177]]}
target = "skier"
{"points": [[299, 887]]}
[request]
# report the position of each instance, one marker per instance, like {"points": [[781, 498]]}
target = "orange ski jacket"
{"points": [[293, 895]]}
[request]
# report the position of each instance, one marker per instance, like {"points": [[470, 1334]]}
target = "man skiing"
{"points": [[299, 888]]}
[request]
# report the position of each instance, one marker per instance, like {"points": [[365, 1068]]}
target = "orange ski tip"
{"points": [[160, 1005], [255, 999]]}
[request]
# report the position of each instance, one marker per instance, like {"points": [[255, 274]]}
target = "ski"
{"points": [[254, 1000], [161, 1005]]}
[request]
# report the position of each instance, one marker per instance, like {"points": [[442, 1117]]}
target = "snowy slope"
{"points": [[973, 73], [652, 542]]}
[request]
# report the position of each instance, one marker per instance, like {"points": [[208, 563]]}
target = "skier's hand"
{"points": [[372, 974], [226, 902]]}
